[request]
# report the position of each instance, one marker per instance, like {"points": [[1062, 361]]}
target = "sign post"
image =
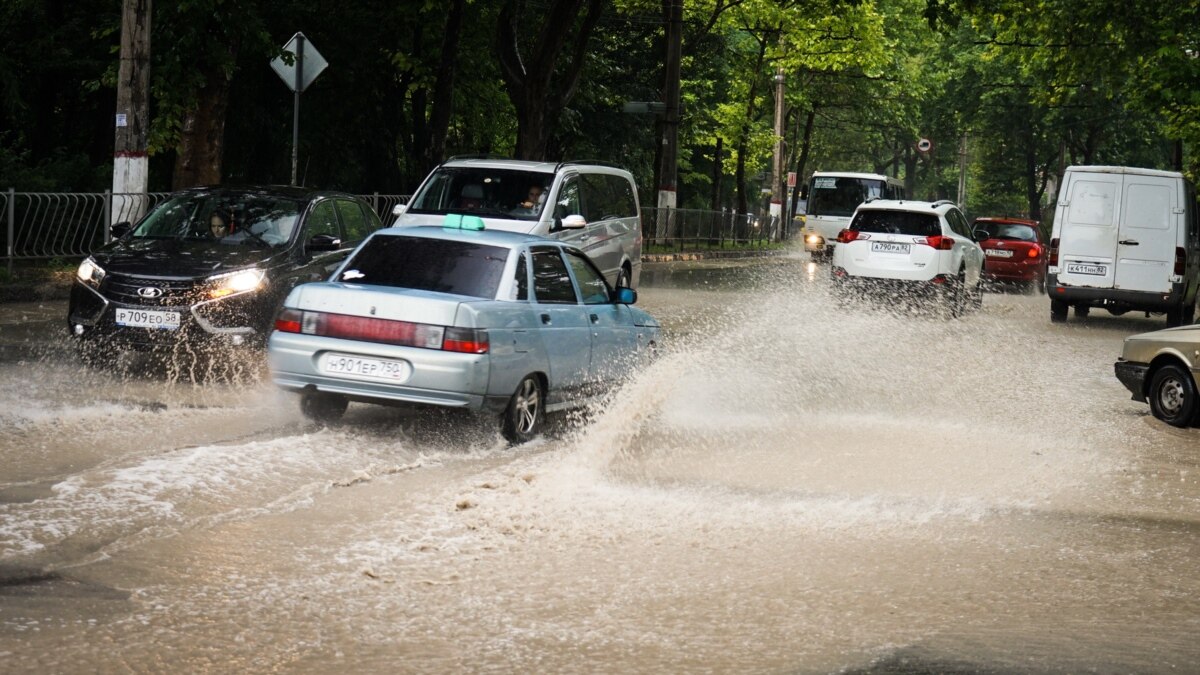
{"points": [[307, 63]]}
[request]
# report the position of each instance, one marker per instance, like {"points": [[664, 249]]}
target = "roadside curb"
{"points": [[33, 292], [710, 255]]}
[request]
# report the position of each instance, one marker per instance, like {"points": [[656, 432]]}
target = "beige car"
{"points": [[1160, 368]]}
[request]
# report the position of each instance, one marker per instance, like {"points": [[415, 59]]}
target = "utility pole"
{"points": [[668, 180], [777, 189], [130, 160], [962, 171]]}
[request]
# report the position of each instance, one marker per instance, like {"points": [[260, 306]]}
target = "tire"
{"points": [[624, 278], [954, 300], [522, 419], [1081, 311], [1058, 311], [1173, 395], [323, 408], [1183, 315], [977, 303], [1040, 285]]}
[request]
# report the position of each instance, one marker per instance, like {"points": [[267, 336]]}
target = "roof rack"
{"points": [[586, 162], [477, 155], [941, 202]]}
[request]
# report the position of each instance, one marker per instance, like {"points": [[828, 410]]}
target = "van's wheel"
{"points": [[1081, 311], [522, 419], [1173, 395], [1058, 311], [321, 407], [1183, 315], [624, 277]]}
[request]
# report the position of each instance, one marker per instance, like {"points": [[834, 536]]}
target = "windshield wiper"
{"points": [[256, 236]]}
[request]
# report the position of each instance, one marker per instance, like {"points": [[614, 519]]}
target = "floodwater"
{"points": [[797, 485]]}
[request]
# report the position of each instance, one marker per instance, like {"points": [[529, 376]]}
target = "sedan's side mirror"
{"points": [[625, 296], [980, 235], [120, 229], [574, 222], [323, 242]]}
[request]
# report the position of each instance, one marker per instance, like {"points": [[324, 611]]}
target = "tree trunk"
{"points": [[537, 87], [802, 162], [443, 87], [202, 137], [717, 174]]}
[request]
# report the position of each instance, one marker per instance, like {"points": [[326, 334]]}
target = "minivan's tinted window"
{"points": [[489, 193], [896, 222], [458, 267], [607, 196], [252, 219]]}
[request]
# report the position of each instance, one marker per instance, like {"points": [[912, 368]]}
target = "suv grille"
{"points": [[125, 289]]}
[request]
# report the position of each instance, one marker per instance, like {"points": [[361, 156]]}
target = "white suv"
{"points": [[919, 249], [591, 205]]}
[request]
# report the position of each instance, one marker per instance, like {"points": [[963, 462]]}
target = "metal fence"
{"points": [[41, 225], [698, 230]]}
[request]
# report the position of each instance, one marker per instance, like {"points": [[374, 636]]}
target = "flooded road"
{"points": [[797, 485]]}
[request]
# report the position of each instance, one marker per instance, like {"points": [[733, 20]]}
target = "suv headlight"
{"points": [[89, 272], [245, 281]]}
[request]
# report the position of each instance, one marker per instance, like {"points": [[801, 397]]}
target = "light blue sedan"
{"points": [[459, 317]]}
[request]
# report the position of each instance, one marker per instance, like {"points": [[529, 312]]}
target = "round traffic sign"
{"points": [[924, 145]]}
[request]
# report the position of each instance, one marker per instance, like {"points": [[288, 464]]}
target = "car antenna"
{"points": [[304, 177]]}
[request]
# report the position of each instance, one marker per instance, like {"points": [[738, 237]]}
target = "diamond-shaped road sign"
{"points": [[306, 58]]}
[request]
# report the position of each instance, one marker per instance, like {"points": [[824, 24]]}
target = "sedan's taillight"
{"points": [[386, 331], [1053, 252], [1035, 251], [938, 242]]}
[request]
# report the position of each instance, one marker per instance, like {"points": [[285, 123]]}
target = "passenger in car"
{"points": [[219, 223]]}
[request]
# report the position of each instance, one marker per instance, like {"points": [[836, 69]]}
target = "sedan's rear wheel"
{"points": [[1173, 395], [321, 407], [523, 417]]}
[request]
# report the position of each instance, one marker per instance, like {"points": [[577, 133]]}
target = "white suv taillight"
{"points": [[938, 242], [847, 236]]}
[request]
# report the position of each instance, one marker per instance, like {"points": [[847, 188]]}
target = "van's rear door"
{"points": [[1147, 236], [1088, 236]]}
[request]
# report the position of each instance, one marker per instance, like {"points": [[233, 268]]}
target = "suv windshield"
{"points": [[495, 193], [225, 218], [896, 222], [444, 266], [1008, 231]]}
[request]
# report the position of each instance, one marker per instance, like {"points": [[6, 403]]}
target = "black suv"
{"points": [[212, 265]]}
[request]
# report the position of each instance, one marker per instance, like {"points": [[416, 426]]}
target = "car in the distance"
{"points": [[1013, 251], [1160, 368], [911, 249], [460, 317], [175, 278]]}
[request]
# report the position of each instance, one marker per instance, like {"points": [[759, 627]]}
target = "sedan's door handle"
{"points": [[546, 319], [595, 319], [1128, 242]]}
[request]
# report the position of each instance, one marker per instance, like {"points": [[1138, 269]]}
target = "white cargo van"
{"points": [[591, 205], [1124, 239]]}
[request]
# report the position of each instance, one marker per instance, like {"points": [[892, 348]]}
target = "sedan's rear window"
{"points": [[896, 222], [444, 266]]}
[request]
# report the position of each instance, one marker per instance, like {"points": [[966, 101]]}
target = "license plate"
{"points": [[889, 247], [361, 366], [1094, 270], [145, 318], [997, 253]]}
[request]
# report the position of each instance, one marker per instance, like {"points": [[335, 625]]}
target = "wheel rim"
{"points": [[526, 406], [1171, 396]]}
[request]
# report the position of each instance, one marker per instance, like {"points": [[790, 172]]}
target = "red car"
{"points": [[1013, 250]]}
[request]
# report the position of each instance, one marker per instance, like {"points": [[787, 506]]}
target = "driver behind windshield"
{"points": [[219, 223]]}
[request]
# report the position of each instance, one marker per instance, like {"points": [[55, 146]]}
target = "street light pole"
{"points": [[777, 189]]}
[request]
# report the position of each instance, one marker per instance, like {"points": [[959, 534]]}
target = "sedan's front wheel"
{"points": [[1173, 395], [523, 417]]}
